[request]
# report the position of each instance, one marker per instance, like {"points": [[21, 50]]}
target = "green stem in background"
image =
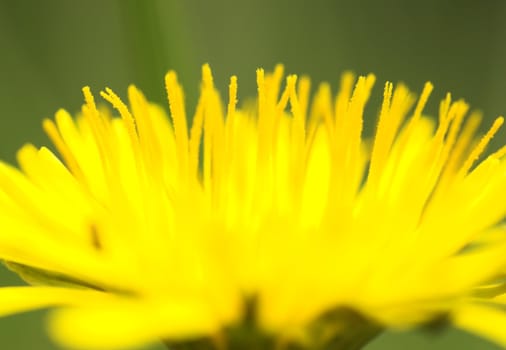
{"points": [[339, 329], [154, 35]]}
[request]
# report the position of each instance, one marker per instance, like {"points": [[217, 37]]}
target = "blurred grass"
{"points": [[50, 49]]}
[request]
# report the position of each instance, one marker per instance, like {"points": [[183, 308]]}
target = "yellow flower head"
{"points": [[274, 225]]}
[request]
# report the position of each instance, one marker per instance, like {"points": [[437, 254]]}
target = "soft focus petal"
{"points": [[482, 320], [20, 299], [124, 324]]}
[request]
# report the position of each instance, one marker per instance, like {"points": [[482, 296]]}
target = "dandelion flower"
{"points": [[276, 225]]}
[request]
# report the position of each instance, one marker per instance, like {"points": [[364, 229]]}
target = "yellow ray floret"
{"points": [[278, 216]]}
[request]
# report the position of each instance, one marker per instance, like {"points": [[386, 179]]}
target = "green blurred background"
{"points": [[50, 49]]}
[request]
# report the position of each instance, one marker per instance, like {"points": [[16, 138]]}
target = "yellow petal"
{"points": [[482, 320], [126, 323], [20, 299]]}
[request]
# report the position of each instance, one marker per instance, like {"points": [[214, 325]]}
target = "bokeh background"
{"points": [[50, 49]]}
